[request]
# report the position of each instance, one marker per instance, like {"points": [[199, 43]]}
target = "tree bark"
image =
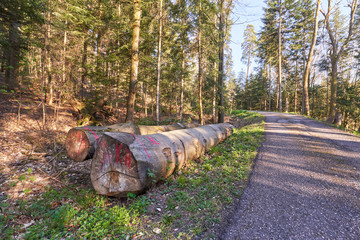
{"points": [[182, 84], [81, 142], [214, 97], [280, 59], [134, 63], [200, 69], [221, 114], [84, 67], [159, 66], [13, 58], [127, 163], [306, 109]]}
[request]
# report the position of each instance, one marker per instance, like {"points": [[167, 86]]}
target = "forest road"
{"points": [[305, 184]]}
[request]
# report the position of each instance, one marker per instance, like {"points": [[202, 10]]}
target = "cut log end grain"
{"points": [[126, 163], [116, 173], [77, 145]]}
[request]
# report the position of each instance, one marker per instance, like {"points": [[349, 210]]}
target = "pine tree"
{"points": [[249, 48]]}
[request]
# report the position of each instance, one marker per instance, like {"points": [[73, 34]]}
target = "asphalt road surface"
{"points": [[305, 184]]}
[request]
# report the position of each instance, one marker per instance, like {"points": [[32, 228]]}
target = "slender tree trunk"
{"points": [[221, 114], [306, 107], [333, 88], [200, 69], [269, 94], [159, 66], [48, 60], [248, 70], [84, 63], [327, 95], [64, 57], [144, 92], [12, 72], [134, 62], [280, 59], [296, 87], [182, 84], [214, 97]]}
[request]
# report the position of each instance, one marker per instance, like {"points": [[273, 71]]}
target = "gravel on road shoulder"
{"points": [[305, 184]]}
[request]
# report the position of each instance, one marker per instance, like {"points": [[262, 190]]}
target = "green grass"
{"points": [[193, 201]]}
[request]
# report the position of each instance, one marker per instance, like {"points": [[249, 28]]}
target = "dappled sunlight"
{"points": [[309, 160]]}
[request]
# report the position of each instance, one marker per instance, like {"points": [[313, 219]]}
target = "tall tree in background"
{"points": [[306, 106], [337, 51], [134, 62], [249, 48]]}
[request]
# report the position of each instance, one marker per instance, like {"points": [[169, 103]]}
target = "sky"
{"points": [[245, 12], [250, 12]]}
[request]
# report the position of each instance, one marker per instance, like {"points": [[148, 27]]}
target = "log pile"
{"points": [[81, 142], [129, 163]]}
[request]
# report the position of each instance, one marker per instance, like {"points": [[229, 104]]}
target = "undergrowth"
{"points": [[187, 205]]}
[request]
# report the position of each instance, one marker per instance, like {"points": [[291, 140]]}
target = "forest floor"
{"points": [[44, 194]]}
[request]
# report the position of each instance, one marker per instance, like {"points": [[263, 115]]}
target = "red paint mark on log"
{"points": [[153, 141], [94, 133], [141, 144], [127, 158], [117, 154]]}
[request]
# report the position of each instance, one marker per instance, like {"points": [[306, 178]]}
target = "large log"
{"points": [[125, 162], [81, 142]]}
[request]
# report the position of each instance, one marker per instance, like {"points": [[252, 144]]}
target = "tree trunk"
{"points": [[127, 163], [81, 142], [248, 70], [280, 60], [269, 94], [159, 66], [84, 67], [306, 109], [200, 69], [221, 114], [287, 103], [134, 62], [12, 72], [214, 97], [182, 84], [50, 82], [333, 89]]}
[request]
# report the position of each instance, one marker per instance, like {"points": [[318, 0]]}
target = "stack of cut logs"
{"points": [[127, 158]]}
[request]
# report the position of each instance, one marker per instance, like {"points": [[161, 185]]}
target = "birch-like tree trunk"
{"points": [[306, 107]]}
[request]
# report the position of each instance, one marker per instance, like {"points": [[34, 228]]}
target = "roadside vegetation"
{"points": [[192, 203]]}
